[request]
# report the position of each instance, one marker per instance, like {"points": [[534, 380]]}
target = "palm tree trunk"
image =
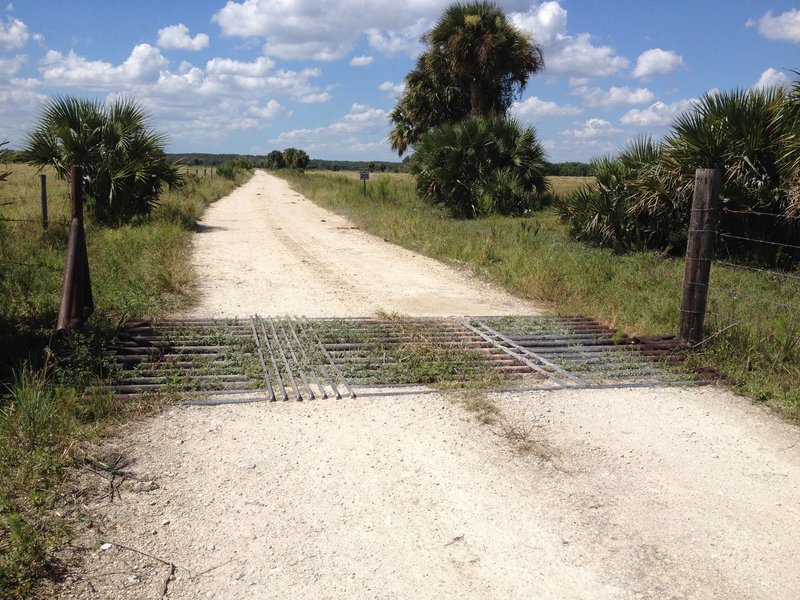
{"points": [[475, 97]]}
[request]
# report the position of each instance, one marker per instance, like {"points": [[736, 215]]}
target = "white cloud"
{"points": [[194, 105], [395, 89], [260, 67], [361, 131], [656, 62], [593, 128], [547, 22], [614, 96], [228, 77], [785, 26], [304, 29], [315, 98], [361, 61], [565, 54], [143, 65], [534, 108], [19, 103], [360, 119], [658, 114], [269, 111], [14, 34], [9, 67], [176, 37], [771, 78], [405, 40]]}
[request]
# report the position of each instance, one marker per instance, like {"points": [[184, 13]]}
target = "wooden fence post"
{"points": [[699, 252], [43, 197], [76, 295]]}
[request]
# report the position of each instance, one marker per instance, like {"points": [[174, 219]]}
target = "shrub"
{"points": [[633, 204], [121, 156], [481, 166]]}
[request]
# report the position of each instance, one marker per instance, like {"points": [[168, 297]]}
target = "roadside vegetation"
{"points": [[535, 257], [48, 418], [631, 216], [124, 164], [641, 198]]}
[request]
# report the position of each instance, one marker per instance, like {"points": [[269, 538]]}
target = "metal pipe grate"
{"points": [[210, 361]]}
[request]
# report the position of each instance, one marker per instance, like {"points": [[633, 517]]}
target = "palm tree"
{"points": [[634, 202], [3, 175], [495, 58], [431, 98], [735, 131], [275, 160], [476, 64], [788, 121], [122, 157], [480, 166]]}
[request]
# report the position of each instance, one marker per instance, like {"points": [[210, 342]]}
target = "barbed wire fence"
{"points": [[759, 312], [20, 230]]}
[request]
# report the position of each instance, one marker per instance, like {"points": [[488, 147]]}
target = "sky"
{"points": [[251, 76]]}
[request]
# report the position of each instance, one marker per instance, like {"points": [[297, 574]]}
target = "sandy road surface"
{"points": [[668, 493], [268, 250]]}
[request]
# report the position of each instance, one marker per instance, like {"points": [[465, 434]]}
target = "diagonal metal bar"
{"points": [[306, 361], [267, 382], [527, 352], [330, 360], [521, 358], [298, 396], [325, 372], [272, 359], [293, 354]]}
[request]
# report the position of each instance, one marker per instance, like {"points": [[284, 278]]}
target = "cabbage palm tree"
{"points": [[122, 157], [737, 132], [476, 63], [431, 98], [482, 165], [788, 118], [634, 203], [493, 57], [5, 174]]}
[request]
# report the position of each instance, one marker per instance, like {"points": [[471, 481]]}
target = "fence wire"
{"points": [[759, 316]]}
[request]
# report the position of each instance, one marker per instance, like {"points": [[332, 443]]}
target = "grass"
{"points": [[404, 351], [753, 327], [47, 409]]}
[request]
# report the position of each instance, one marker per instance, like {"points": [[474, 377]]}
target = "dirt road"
{"points": [[663, 493]]}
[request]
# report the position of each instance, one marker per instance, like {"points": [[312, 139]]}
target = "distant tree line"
{"points": [[291, 158], [567, 169]]}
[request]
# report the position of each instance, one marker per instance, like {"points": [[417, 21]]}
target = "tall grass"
{"points": [[753, 324], [46, 407]]}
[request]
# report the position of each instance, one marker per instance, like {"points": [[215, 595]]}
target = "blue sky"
{"points": [[250, 76]]}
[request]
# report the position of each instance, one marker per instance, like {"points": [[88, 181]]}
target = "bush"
{"points": [[633, 204], [641, 198], [480, 166], [122, 158]]}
